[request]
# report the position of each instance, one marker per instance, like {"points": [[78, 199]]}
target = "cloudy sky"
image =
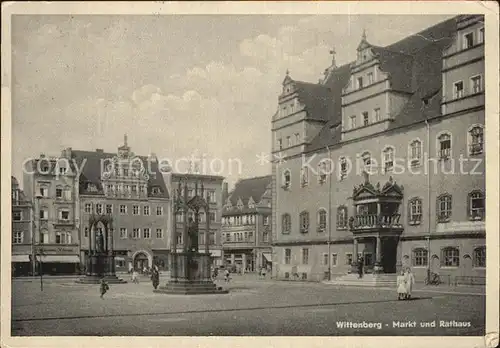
{"points": [[176, 85]]}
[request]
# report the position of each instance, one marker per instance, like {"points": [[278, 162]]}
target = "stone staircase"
{"points": [[369, 280], [192, 287]]}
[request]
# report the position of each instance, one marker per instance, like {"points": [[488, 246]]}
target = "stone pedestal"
{"points": [[190, 275], [100, 265]]}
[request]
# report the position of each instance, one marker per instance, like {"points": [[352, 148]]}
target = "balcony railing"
{"points": [[375, 221], [475, 149]]}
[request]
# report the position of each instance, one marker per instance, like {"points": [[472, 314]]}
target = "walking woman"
{"points": [[155, 277]]}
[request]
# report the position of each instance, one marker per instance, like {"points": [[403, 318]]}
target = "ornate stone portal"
{"points": [[190, 269], [101, 259]]}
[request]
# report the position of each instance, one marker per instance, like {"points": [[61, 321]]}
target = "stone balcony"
{"points": [[371, 222]]}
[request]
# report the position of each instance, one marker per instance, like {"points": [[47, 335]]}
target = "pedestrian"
{"points": [[409, 281], [135, 276], [401, 285], [263, 272], [226, 276], [360, 267], [155, 278], [104, 287]]}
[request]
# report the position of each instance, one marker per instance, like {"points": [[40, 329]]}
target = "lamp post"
{"points": [[330, 214], [33, 237]]}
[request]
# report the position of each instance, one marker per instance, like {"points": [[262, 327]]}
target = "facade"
{"points": [[51, 184], [132, 191], [384, 160], [22, 231], [246, 225], [212, 186]]}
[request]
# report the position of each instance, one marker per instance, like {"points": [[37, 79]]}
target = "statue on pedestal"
{"points": [[100, 243], [192, 235]]}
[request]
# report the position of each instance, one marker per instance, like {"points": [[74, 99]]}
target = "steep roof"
{"points": [[316, 99], [251, 187], [91, 172], [414, 65]]}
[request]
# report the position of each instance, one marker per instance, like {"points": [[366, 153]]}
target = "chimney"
{"points": [[225, 192], [99, 150], [42, 155]]}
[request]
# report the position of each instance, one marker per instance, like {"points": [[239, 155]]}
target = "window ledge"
{"points": [[414, 223], [341, 228], [420, 266], [450, 267]]}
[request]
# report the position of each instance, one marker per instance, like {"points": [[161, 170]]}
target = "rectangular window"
{"points": [[376, 115], [59, 192], [212, 216], [480, 38], [348, 259], [325, 259], [297, 138], [366, 120], [17, 216], [458, 89], [123, 209], [334, 259], [146, 210], [468, 40], [44, 192], [159, 211], [146, 233], [109, 208], [370, 78], [17, 237], [451, 257], [420, 258], [280, 144], [305, 256], [211, 197], [360, 82], [44, 215], [88, 207], [64, 215], [266, 220], [288, 256], [135, 210], [123, 233], [159, 233], [353, 121], [62, 170], [86, 232], [211, 238], [136, 233], [289, 141], [98, 208], [476, 85]]}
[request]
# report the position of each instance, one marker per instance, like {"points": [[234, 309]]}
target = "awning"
{"points": [[268, 257], [61, 258], [20, 258]]}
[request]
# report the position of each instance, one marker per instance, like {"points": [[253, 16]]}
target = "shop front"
{"points": [[57, 259]]}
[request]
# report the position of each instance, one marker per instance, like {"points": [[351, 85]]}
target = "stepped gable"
{"points": [[414, 64], [251, 187], [91, 172]]}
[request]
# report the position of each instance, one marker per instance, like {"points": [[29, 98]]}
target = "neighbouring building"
{"points": [[246, 225], [403, 128], [212, 186], [51, 184], [131, 189], [22, 231]]}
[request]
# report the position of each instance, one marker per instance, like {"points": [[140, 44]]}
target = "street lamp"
{"points": [[40, 251]]}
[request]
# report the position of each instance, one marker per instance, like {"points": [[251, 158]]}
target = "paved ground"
{"points": [[253, 307]]}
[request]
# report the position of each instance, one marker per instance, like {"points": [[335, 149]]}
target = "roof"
{"points": [[193, 176], [91, 172], [251, 187], [316, 98], [414, 66]]}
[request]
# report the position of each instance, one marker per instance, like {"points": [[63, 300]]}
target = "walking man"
{"points": [[104, 287]]}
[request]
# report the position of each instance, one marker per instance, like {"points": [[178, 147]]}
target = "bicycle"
{"points": [[433, 279]]}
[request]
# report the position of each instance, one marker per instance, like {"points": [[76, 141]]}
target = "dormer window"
{"points": [[353, 121], [480, 38], [468, 40], [155, 190], [370, 78], [366, 120]]}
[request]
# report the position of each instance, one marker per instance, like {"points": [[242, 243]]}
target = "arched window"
{"points": [[367, 161], [415, 211], [444, 146], [286, 179], [420, 257], [444, 208], [475, 204], [450, 257], [475, 140], [286, 224], [321, 220], [415, 152], [304, 222], [480, 257], [342, 217], [323, 169], [388, 155]]}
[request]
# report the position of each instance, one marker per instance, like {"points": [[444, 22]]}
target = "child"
{"points": [[135, 276], [401, 285], [104, 287]]}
